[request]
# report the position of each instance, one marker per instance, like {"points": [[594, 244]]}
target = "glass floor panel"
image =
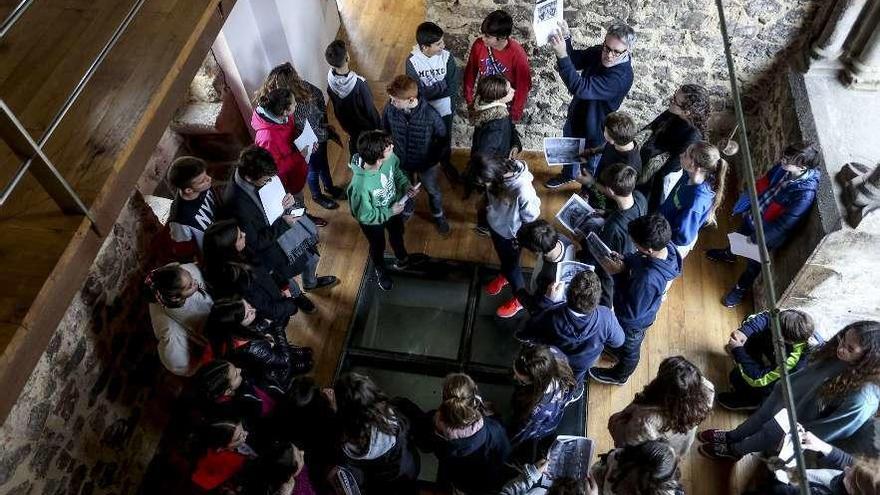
{"points": [[423, 316], [434, 322]]}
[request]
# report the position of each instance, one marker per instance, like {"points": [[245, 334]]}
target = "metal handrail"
{"points": [[74, 94], [769, 282], [14, 16]]}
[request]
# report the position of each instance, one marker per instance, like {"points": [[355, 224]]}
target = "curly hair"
{"points": [[284, 76], [696, 106], [866, 369], [679, 392]]}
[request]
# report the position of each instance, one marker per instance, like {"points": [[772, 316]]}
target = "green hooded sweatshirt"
{"points": [[371, 193]]}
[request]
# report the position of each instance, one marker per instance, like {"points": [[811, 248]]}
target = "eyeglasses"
{"points": [[614, 53]]}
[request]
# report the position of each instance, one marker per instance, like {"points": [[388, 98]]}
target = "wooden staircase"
{"points": [[101, 146]]}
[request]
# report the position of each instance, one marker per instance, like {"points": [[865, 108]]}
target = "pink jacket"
{"points": [[277, 139]]}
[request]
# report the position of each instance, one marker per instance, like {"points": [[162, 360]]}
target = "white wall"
{"points": [[260, 34]]}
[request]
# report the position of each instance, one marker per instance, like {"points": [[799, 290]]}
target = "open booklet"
{"points": [[563, 150], [566, 270], [569, 457], [596, 247], [579, 217]]}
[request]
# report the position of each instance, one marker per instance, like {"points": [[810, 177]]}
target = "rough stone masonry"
{"points": [[678, 42]]}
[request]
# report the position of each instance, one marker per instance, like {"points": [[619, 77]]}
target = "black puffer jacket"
{"points": [[415, 135], [494, 132], [261, 349]]}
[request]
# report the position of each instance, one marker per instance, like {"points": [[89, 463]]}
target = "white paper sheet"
{"points": [[271, 195], [545, 21], [566, 270], [307, 138], [786, 452], [740, 245], [563, 151]]}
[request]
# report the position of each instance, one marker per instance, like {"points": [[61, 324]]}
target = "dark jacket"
{"points": [[472, 458], [260, 237], [250, 349], [352, 103], [756, 360], [596, 91], [415, 134], [669, 134], [545, 417], [494, 132], [789, 206], [580, 337], [253, 283], [639, 288]]}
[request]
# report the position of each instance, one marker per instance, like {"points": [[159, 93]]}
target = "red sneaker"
{"points": [[509, 309], [494, 287]]}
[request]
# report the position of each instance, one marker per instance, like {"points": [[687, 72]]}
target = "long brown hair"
{"points": [[361, 405], [679, 392], [461, 405], [542, 365], [707, 157], [867, 369], [865, 477], [284, 76]]}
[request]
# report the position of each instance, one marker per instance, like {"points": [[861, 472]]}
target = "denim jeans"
{"points": [[628, 354], [375, 235], [309, 275], [446, 142], [508, 253], [430, 180], [319, 170]]}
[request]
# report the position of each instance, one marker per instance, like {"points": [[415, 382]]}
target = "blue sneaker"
{"points": [[734, 297]]}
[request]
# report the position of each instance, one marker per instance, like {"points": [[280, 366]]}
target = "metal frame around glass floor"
{"points": [[485, 347]]}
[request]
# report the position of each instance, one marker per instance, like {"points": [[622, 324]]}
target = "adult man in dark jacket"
{"points": [[242, 201], [417, 129], [575, 324], [599, 88]]}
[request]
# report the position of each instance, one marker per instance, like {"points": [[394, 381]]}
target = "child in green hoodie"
{"points": [[377, 194]]}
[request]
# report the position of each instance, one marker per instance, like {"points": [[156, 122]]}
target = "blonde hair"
{"points": [[284, 76], [707, 157], [461, 407]]}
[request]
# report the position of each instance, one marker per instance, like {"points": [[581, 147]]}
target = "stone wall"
{"points": [[678, 42], [90, 415]]}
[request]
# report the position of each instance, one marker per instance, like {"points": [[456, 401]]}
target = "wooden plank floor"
{"points": [[692, 322]]}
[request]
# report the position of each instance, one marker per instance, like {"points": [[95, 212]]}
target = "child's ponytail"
{"points": [[719, 181], [461, 405]]}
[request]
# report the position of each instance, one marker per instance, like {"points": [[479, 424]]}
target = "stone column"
{"points": [[827, 48], [863, 67]]}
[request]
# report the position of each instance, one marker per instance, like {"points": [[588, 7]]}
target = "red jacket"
{"points": [[277, 139], [217, 467], [512, 63]]}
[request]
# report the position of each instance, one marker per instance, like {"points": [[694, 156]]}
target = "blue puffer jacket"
{"points": [[788, 207], [414, 133]]}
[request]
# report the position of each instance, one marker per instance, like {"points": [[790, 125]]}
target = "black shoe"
{"points": [[414, 259], [442, 226], [734, 402], [318, 221], [734, 297], [384, 280], [606, 376], [720, 255], [325, 202], [557, 181], [483, 231], [305, 304], [336, 192], [324, 282]]}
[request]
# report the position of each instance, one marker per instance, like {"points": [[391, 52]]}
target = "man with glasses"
{"points": [[598, 79]]}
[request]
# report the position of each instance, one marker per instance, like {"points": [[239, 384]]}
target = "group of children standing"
{"points": [[220, 310]]}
